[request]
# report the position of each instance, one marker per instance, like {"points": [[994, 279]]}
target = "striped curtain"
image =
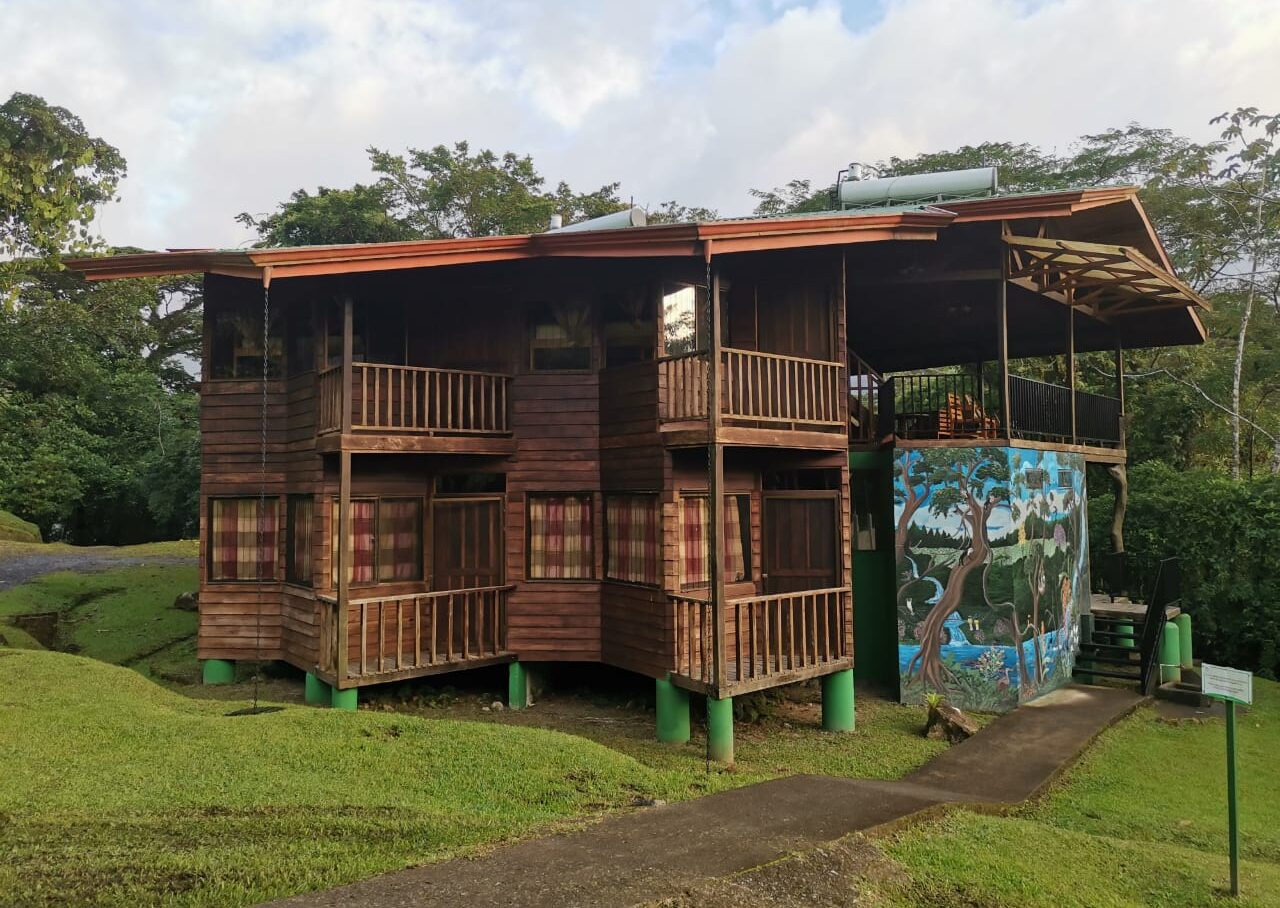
{"points": [[363, 541], [633, 553], [694, 523], [560, 537], [400, 539], [237, 527]]}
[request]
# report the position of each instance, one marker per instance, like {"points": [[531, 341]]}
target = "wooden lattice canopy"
{"points": [[1101, 280]]}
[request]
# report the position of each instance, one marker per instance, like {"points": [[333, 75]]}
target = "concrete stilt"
{"points": [[838, 701], [1170, 668], [673, 711], [517, 686], [720, 729], [344, 699], [218, 671], [1183, 623], [317, 692]]}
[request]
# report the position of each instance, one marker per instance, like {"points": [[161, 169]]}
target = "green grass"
{"points": [[174, 548], [1141, 820], [14, 529]]}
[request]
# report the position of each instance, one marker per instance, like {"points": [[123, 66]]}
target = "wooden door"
{"points": [[800, 543], [467, 549]]}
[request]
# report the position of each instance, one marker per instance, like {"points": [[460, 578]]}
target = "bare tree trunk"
{"points": [[1120, 478], [1244, 330], [1275, 457]]}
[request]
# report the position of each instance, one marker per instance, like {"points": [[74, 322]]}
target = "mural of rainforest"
{"points": [[993, 570]]}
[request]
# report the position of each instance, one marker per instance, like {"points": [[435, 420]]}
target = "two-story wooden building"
{"points": [[629, 445]]}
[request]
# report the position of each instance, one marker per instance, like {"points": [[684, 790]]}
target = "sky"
{"points": [[223, 106]]}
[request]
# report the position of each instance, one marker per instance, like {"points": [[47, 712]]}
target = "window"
{"points": [[300, 536], [694, 523], [242, 539], [863, 488], [236, 344], [630, 332], [386, 540], [680, 307], [470, 483], [560, 338], [400, 539], [301, 338], [633, 550], [560, 540], [363, 540]]}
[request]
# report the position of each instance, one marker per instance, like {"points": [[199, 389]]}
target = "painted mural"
{"points": [[993, 570]]}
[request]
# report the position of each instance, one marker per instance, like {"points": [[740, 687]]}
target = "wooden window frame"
{"points": [[270, 500], [377, 545], [590, 498], [748, 561], [531, 346], [208, 368], [659, 567]]}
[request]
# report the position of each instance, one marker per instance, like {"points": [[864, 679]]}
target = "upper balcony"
{"points": [[766, 399], [414, 409]]}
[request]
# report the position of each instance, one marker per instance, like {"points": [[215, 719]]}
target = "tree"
{"points": [[331, 216], [53, 176], [673, 212]]}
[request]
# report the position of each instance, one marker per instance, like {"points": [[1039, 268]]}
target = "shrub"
{"points": [[1226, 535]]}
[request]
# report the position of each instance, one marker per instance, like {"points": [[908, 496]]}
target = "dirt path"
{"points": [[21, 568], [674, 851]]}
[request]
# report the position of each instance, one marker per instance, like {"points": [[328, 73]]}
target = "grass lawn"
{"points": [[1141, 820], [124, 616], [176, 548]]}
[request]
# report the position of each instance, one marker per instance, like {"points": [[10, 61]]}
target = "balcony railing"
{"points": [[766, 637], [412, 633], [755, 388], [415, 399]]}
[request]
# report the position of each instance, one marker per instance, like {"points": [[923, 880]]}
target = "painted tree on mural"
{"points": [[968, 483]]}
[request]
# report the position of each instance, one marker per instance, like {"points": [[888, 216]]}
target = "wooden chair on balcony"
{"points": [[963, 417]]}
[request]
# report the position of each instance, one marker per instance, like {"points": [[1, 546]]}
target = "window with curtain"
{"points": [[694, 553], [560, 542], [242, 539], [560, 338], [363, 541], [633, 544], [399, 539], [236, 342], [300, 533]]}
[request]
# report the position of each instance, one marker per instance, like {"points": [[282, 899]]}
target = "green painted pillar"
{"points": [[517, 686], [218, 671], [1126, 636], [344, 699], [1183, 623], [673, 711], [720, 729], [837, 701], [1170, 668], [317, 692]]}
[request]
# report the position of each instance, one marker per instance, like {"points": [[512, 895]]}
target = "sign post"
{"points": [[1232, 686]]}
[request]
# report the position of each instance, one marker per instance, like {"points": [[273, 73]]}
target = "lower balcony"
{"points": [[769, 640], [391, 638]]}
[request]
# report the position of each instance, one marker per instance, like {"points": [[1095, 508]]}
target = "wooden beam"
{"points": [[348, 321], [715, 484], [1002, 339], [344, 556], [1071, 368]]}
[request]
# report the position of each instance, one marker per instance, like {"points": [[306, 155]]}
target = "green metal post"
{"points": [[517, 686], [673, 711], [720, 729], [1170, 668], [344, 699], [317, 692], [1183, 623], [1233, 822], [218, 671], [837, 701]]}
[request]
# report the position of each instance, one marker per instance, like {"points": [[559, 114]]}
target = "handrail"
{"points": [[415, 399], [333, 600]]}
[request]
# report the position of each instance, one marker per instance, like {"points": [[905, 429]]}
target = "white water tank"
{"points": [[919, 187], [627, 217]]}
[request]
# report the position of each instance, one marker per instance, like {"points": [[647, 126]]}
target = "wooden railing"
{"points": [[416, 399], [765, 636], [755, 387], [398, 634], [865, 385]]}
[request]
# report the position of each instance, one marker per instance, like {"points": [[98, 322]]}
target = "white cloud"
{"points": [[221, 107]]}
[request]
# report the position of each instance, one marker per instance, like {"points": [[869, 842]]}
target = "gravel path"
{"points": [[22, 568]]}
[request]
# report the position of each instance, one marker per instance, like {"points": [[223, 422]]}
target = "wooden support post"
{"points": [[1002, 340], [715, 490], [1120, 388], [345, 552], [1071, 368], [348, 320]]}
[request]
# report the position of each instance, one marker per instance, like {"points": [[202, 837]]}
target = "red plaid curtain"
{"points": [[560, 537], [237, 526], [400, 539], [362, 541], [634, 554], [301, 528], [694, 523]]}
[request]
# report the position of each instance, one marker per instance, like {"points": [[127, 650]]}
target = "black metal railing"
{"points": [[1039, 410], [1097, 419], [1165, 591], [940, 405]]}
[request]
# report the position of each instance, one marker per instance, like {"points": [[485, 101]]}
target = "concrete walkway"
{"points": [[657, 853]]}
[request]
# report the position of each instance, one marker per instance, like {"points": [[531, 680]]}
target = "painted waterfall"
{"points": [[993, 571]]}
